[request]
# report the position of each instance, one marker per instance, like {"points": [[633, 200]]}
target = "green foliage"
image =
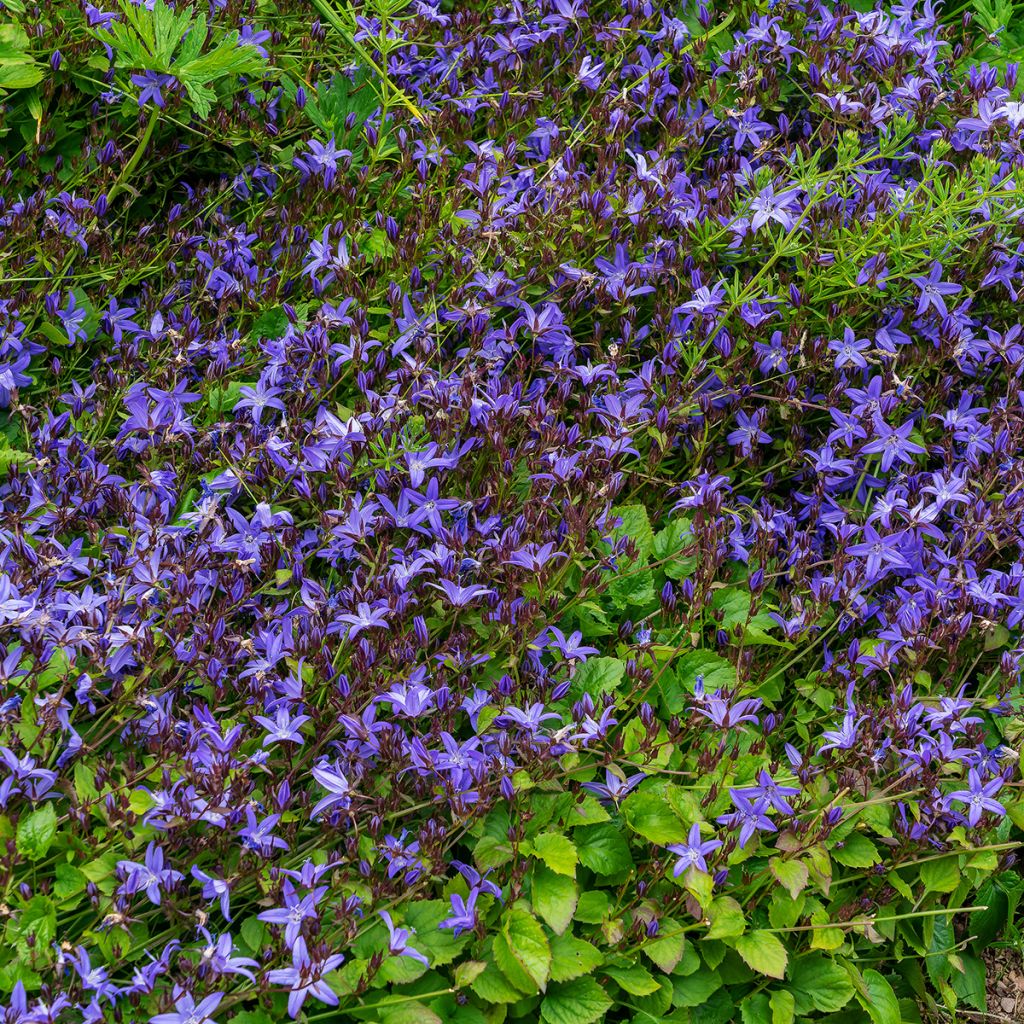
{"points": [[176, 43]]}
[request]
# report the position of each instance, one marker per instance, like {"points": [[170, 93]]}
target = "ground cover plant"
{"points": [[510, 511]]}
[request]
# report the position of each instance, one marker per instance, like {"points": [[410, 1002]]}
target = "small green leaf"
{"points": [[581, 1001], [558, 852], [572, 957], [783, 1006], [667, 949], [726, 917], [36, 832], [940, 875], [818, 982], [598, 676], [792, 874], [636, 980], [764, 953]]}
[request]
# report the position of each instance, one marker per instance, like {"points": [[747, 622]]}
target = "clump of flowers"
{"points": [[508, 509]]}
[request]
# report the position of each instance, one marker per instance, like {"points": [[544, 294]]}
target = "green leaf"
{"points": [[69, 881], [572, 957], [667, 949], [597, 676], [940, 875], [726, 917], [856, 851], [522, 950], [36, 832], [677, 686], [37, 921], [603, 849], [649, 813], [695, 989], [635, 979], [582, 1001], [636, 525], [819, 983], [880, 1000], [792, 874], [413, 1012], [493, 987], [764, 953], [969, 984], [554, 898], [440, 945], [558, 852], [783, 1006]]}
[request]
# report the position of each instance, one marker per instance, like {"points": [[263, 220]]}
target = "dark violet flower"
{"points": [[304, 978], [151, 876], [615, 786]]}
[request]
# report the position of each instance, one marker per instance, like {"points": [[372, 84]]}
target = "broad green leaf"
{"points": [[554, 898], [940, 875], [818, 982], [763, 953], [572, 957], [525, 952], [603, 849], [36, 832], [636, 980], [667, 949], [857, 851], [783, 1006], [648, 812], [880, 1001], [598, 676], [792, 874], [557, 851], [726, 917], [581, 1001], [493, 987]]}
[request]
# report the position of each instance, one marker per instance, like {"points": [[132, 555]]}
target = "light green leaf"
{"points": [[726, 917], [522, 950], [818, 982], [572, 957], [554, 898], [636, 980], [792, 874], [783, 1006], [763, 953], [557, 851]]}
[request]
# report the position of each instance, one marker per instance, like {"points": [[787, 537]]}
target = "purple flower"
{"points": [[893, 443], [398, 939], [304, 978], [615, 787], [979, 797], [750, 817], [463, 917], [151, 876], [934, 290], [188, 1011], [692, 853]]}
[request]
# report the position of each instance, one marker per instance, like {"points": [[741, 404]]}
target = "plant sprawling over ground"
{"points": [[510, 511]]}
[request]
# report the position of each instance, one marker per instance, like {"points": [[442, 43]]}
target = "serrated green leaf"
{"points": [[557, 851], [572, 957], [763, 952], [581, 1001], [522, 951], [36, 832], [554, 898]]}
